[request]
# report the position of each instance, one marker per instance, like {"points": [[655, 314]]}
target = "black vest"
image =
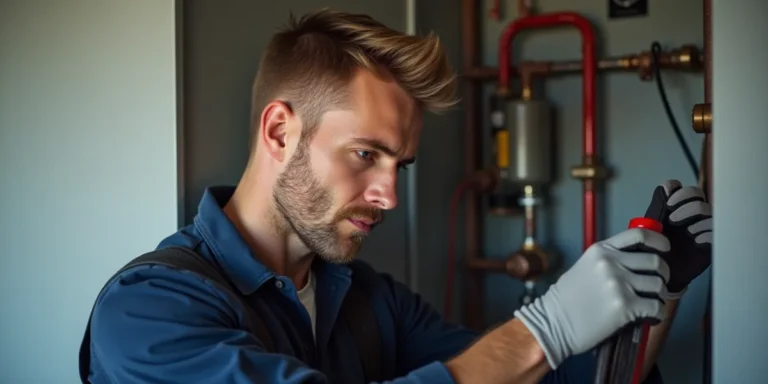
{"points": [[356, 310]]}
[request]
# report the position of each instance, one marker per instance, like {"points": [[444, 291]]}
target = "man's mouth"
{"points": [[365, 225]]}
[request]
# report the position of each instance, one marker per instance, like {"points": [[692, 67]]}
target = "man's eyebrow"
{"points": [[382, 147]]}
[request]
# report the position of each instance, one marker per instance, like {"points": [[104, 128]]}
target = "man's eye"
{"points": [[403, 166], [365, 155]]}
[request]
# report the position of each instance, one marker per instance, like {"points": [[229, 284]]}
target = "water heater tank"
{"points": [[524, 146]]}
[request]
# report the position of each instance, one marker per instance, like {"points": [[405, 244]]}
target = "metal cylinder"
{"points": [[702, 118], [524, 147]]}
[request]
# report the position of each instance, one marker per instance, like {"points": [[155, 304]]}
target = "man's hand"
{"points": [[687, 219], [606, 289]]}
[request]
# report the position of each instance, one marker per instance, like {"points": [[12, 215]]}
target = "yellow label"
{"points": [[502, 148]]}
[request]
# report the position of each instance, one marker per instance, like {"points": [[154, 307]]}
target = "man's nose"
{"points": [[383, 193]]}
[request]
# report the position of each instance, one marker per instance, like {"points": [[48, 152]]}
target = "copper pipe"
{"points": [[485, 264], [523, 8], [707, 51], [702, 113], [706, 172], [708, 95], [495, 12], [522, 265], [527, 71], [474, 316], [686, 57], [562, 67]]}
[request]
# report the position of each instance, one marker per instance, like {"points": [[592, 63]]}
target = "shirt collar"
{"points": [[226, 243], [231, 250]]}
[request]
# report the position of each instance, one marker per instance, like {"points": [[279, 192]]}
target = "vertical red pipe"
{"points": [[590, 224], [589, 65]]}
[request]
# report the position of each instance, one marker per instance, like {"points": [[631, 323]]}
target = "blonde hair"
{"points": [[309, 64]]}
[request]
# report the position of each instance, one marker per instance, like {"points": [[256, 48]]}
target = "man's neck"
{"points": [[251, 211]]}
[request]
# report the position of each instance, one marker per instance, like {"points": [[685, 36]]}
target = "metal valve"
{"points": [[702, 118]]}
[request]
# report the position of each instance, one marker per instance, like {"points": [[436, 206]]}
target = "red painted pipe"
{"points": [[589, 68], [590, 223]]}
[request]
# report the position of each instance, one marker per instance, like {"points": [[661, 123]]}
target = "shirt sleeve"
{"points": [[427, 340], [157, 325], [424, 337]]}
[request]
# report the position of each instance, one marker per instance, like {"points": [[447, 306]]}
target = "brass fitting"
{"points": [[589, 170], [702, 118], [687, 57], [485, 180], [527, 72], [527, 263]]}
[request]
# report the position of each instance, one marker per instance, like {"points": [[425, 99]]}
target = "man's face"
{"points": [[336, 186]]}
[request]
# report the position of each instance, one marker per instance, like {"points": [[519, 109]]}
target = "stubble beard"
{"points": [[303, 204]]}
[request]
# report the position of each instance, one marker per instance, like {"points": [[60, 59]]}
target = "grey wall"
{"points": [[222, 48], [740, 91], [440, 162], [636, 142], [87, 166]]}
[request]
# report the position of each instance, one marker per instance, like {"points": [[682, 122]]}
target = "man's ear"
{"points": [[274, 129]]}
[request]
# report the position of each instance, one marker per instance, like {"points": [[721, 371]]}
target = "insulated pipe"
{"points": [[589, 67]]}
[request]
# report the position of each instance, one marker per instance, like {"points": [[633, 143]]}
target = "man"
{"points": [[337, 107]]}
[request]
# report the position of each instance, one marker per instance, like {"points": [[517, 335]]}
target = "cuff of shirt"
{"points": [[433, 373]]}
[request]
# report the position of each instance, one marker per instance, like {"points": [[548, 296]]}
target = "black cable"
{"points": [[655, 50]]}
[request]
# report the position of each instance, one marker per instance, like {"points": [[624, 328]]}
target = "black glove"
{"points": [[687, 219]]}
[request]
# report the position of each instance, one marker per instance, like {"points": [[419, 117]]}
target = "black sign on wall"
{"points": [[627, 8]]}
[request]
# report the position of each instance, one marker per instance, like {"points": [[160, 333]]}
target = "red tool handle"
{"points": [[647, 223], [642, 331]]}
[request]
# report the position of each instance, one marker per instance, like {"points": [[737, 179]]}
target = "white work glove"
{"points": [[600, 294]]}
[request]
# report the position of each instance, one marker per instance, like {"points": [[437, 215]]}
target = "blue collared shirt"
{"points": [[158, 325]]}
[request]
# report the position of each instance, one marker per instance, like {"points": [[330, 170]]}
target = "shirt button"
{"points": [[279, 284]]}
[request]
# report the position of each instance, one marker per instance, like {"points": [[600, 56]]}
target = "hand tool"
{"points": [[620, 359]]}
